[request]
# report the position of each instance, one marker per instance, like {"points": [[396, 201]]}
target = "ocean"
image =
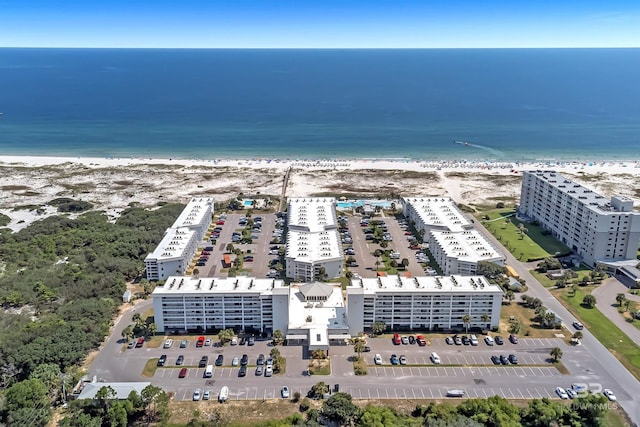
{"points": [[508, 104]]}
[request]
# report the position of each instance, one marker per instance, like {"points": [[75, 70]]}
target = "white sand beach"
{"points": [[111, 184]]}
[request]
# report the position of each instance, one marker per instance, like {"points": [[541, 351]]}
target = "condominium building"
{"points": [[172, 255], [460, 252], [180, 242], [313, 243], [315, 314], [205, 304], [423, 303], [434, 213], [599, 230]]}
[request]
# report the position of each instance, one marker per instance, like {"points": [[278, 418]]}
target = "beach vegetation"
{"points": [[66, 277], [4, 220]]}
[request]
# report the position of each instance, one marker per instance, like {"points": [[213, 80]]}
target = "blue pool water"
{"points": [[355, 203]]}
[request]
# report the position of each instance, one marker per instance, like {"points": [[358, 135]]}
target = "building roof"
{"points": [[173, 244], [312, 214], [585, 196], [438, 212], [328, 314], [122, 389], [423, 284], [179, 285], [194, 213], [313, 247], [316, 289], [467, 245]]}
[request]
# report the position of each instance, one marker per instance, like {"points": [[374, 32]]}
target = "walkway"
{"points": [[283, 193], [606, 302]]}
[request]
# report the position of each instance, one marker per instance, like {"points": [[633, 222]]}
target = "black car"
{"points": [[466, 340], [513, 339], [243, 371], [504, 360], [220, 360], [203, 362], [260, 360], [243, 341], [245, 360], [412, 339], [513, 359], [495, 359], [498, 340], [180, 360], [367, 349], [251, 340], [162, 360]]}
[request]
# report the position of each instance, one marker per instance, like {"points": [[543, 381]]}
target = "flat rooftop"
{"points": [[317, 315], [438, 212], [173, 244], [180, 285], [193, 214], [468, 245], [313, 247], [423, 284], [580, 193], [312, 214]]}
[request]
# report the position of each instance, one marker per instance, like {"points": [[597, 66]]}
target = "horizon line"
{"points": [[320, 48]]}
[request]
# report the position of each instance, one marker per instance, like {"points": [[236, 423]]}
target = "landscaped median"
{"points": [[618, 343], [320, 367]]}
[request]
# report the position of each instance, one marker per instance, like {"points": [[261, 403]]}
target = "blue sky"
{"points": [[319, 24]]}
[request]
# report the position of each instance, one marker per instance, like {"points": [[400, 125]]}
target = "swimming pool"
{"points": [[248, 203], [384, 204]]}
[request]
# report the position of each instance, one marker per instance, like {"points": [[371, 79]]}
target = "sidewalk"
{"points": [[606, 302]]}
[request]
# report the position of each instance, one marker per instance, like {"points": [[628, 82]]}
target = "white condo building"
{"points": [[422, 303], [460, 252], [180, 242], [599, 230], [434, 213], [315, 314], [313, 241]]}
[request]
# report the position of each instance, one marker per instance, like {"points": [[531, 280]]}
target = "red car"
{"points": [[220, 222], [407, 233], [200, 342], [183, 373], [140, 342], [396, 339], [420, 340]]}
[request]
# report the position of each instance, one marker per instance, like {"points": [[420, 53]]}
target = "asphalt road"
{"points": [[597, 363]]}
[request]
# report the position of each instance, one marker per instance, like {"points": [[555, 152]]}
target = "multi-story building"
{"points": [[599, 230], [204, 304], [180, 242], [172, 255], [423, 303], [460, 252], [313, 242], [434, 213]]}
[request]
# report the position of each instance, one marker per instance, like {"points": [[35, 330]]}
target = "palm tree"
{"points": [[620, 298], [151, 329], [358, 347], [278, 337], [510, 296], [485, 317], [127, 332], [196, 273], [466, 319], [556, 353], [577, 336]]}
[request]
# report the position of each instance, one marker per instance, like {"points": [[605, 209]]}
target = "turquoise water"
{"points": [[356, 203], [509, 104]]}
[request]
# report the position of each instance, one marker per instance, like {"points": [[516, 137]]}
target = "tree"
{"points": [[490, 269], [278, 337], [151, 329], [154, 398], [405, 262], [196, 273], [318, 354], [589, 301], [318, 390], [378, 416], [485, 317], [556, 353], [137, 320], [577, 336], [226, 335], [358, 346], [341, 409], [466, 319], [621, 298], [549, 319], [230, 247], [103, 396], [510, 296], [49, 375], [378, 328], [514, 326]]}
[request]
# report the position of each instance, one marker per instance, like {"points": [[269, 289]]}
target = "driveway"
{"points": [[606, 302]]}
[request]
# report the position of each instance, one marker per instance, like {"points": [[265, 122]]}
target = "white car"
{"points": [[268, 371], [489, 340], [377, 359], [609, 393], [206, 395], [561, 393], [168, 343], [235, 361], [435, 358], [285, 392], [196, 394], [207, 342]]}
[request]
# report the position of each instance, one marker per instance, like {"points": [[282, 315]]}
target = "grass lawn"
{"points": [[528, 328], [618, 343], [543, 279], [534, 245], [360, 365], [283, 367], [154, 342], [320, 367], [150, 367]]}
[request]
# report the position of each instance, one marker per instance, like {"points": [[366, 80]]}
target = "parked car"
{"points": [[259, 370], [245, 360], [495, 359], [366, 349], [504, 360], [285, 392], [457, 340], [396, 339], [196, 394], [609, 394], [403, 360], [513, 359], [561, 393], [235, 361], [243, 371], [474, 340], [168, 343], [377, 359], [131, 344], [204, 361], [571, 393], [412, 339], [183, 344], [207, 342], [498, 340], [206, 395], [489, 341], [260, 360], [251, 340], [579, 326], [219, 360], [268, 371], [162, 360], [183, 373], [140, 342], [180, 360], [435, 358], [394, 359], [466, 340], [513, 339], [449, 340]]}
